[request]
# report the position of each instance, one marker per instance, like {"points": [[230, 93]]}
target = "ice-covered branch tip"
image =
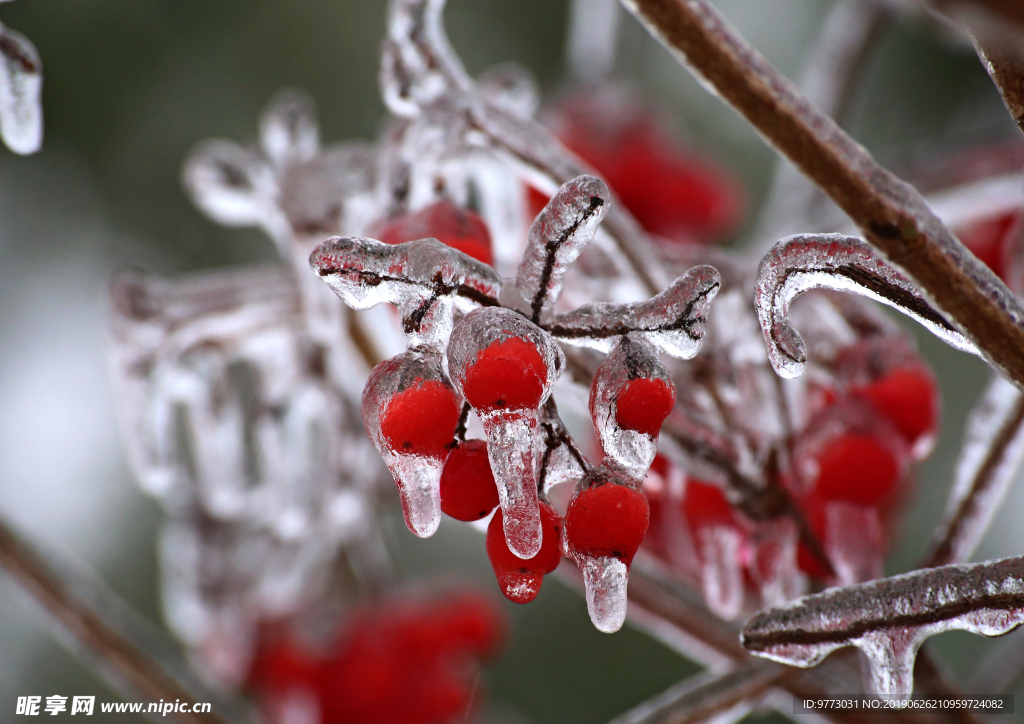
{"points": [[842, 263], [673, 321], [21, 84], [889, 619], [557, 236], [425, 279]]}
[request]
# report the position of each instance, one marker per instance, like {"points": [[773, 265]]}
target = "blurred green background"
{"points": [[131, 85]]}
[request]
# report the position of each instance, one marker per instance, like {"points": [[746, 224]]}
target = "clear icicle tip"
{"points": [[605, 579]]}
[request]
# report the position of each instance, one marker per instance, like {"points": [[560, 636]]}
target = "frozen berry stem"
{"points": [[891, 214]]}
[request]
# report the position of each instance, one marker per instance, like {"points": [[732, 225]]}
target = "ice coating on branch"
{"points": [[410, 412], [425, 279], [561, 461], [890, 618], [673, 321], [233, 185], [512, 88], [21, 83], [854, 542], [629, 398], [605, 579], [504, 366], [289, 131], [557, 237], [801, 263], [989, 459], [721, 569], [418, 66]]}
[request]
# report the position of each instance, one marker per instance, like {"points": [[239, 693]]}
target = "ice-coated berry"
{"points": [[421, 420], [644, 404], [508, 374], [450, 224], [520, 580], [857, 468], [908, 398], [606, 518], [468, 491]]}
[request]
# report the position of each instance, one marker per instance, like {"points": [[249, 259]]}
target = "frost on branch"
{"points": [[889, 619], [843, 263]]}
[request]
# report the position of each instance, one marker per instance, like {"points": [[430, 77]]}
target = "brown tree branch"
{"points": [[891, 214], [124, 663]]}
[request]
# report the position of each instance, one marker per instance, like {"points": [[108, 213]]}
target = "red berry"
{"points": [[508, 374], [468, 491], [421, 420], [519, 579], [987, 240], [644, 404], [858, 468], [907, 398], [705, 504], [606, 518], [452, 225]]}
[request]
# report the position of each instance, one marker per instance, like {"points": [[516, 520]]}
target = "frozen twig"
{"points": [[890, 618], [90, 632], [891, 214], [1003, 58], [989, 460], [700, 697], [842, 263]]}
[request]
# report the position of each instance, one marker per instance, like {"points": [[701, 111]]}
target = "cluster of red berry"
{"points": [[846, 470], [413, 662]]}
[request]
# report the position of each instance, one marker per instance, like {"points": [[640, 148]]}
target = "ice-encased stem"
{"points": [[803, 262], [511, 444], [890, 618], [989, 459], [605, 579]]}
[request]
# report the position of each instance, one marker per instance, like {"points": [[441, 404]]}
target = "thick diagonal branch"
{"points": [[891, 214]]}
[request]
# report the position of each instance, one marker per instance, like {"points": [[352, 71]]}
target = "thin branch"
{"points": [[891, 214], [91, 633], [701, 697], [989, 460], [832, 72]]}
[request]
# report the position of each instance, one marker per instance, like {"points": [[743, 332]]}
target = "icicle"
{"points": [[801, 263], [605, 580], [21, 83], [505, 367], [854, 542], [673, 321], [890, 618], [774, 565], [425, 279], [721, 569]]}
